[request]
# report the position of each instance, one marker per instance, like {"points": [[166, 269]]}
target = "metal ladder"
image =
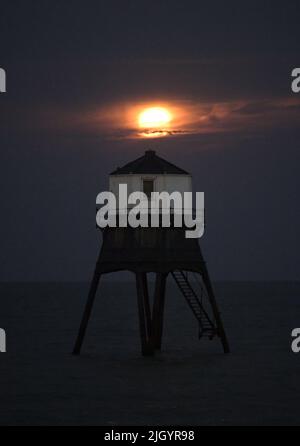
{"points": [[206, 327]]}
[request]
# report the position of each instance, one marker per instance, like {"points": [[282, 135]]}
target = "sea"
{"points": [[191, 382]]}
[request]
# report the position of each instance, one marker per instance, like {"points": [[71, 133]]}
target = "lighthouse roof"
{"points": [[149, 163]]}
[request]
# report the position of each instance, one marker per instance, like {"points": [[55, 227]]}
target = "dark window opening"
{"points": [[148, 186]]}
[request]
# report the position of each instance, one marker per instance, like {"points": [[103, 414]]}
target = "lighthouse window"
{"points": [[148, 187]]}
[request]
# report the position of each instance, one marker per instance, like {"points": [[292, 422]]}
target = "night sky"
{"points": [[70, 65]]}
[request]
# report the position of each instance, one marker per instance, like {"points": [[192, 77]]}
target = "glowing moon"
{"points": [[154, 118]]}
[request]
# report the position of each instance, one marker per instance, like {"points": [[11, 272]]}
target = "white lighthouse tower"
{"points": [[150, 173]]}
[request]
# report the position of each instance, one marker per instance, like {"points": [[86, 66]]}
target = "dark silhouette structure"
{"points": [[163, 251]]}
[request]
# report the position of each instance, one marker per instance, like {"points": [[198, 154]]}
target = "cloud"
{"points": [[197, 118], [119, 120]]}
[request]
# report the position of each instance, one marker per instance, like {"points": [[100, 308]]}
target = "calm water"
{"points": [[190, 382]]}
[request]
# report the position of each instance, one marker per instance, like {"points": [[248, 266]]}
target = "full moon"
{"points": [[154, 118]]}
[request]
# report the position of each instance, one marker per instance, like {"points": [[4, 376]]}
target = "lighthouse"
{"points": [[165, 251]]}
